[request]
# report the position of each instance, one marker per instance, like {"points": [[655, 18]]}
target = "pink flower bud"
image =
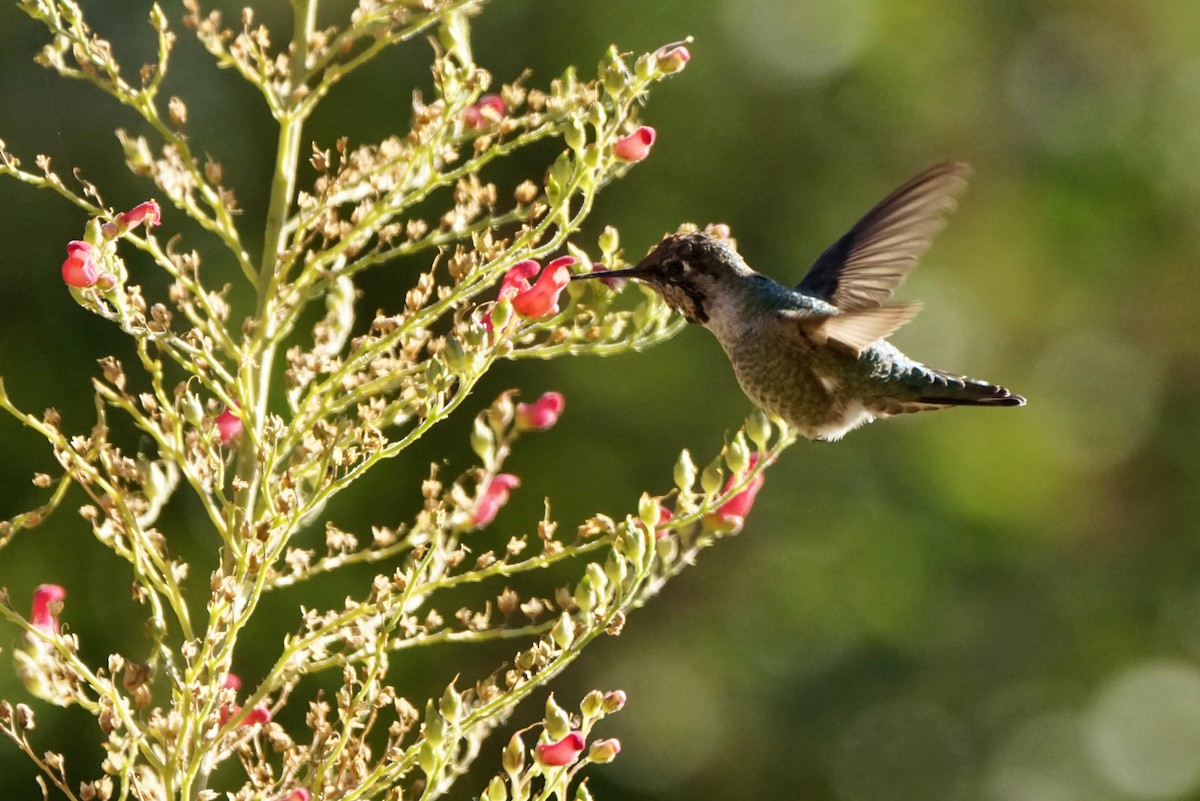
{"points": [[299, 794], [673, 59], [614, 700], [231, 682], [542, 414], [562, 752], [615, 284], [664, 517], [229, 425], [47, 601], [488, 111], [603, 751], [636, 146], [256, 716], [80, 269], [147, 212], [494, 495], [541, 300]]}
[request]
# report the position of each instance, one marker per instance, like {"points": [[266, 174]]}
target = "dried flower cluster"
{"points": [[355, 396]]}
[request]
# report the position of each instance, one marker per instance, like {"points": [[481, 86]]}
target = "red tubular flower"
{"points": [[541, 300], [47, 600], [147, 212], [229, 425], [515, 281], [494, 495], [80, 269], [734, 511], [636, 146], [488, 111], [562, 752], [542, 414]]}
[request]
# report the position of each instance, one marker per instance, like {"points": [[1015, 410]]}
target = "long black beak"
{"points": [[628, 272]]}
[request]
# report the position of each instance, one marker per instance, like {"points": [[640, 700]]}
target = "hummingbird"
{"points": [[817, 356]]}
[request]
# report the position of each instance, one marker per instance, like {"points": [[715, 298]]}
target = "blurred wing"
{"points": [[853, 331], [860, 270]]}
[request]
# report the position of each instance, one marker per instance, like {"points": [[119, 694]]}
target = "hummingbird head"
{"points": [[687, 270]]}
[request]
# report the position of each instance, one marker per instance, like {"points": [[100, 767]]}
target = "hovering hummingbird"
{"points": [[817, 356]]}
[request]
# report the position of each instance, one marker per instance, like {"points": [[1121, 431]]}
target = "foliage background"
{"points": [[1000, 605]]}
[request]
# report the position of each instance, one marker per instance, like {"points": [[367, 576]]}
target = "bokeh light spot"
{"points": [[1143, 732], [799, 40], [1043, 760]]}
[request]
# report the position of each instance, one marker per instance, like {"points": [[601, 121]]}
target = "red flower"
{"points": [[259, 714], [636, 146], [516, 280], [494, 495], [229, 425], [489, 110], [561, 753], [542, 414], [541, 299], [734, 511], [147, 212], [80, 269], [673, 59], [47, 601]]}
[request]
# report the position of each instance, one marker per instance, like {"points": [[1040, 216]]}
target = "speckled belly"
{"points": [[812, 389]]}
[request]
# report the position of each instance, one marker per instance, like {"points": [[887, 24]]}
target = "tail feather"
{"points": [[974, 393], [933, 389]]}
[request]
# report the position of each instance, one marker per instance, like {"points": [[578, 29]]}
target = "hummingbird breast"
{"points": [[815, 389], [812, 388]]}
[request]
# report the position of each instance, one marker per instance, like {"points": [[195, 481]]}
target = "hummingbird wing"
{"points": [[853, 331], [860, 270]]}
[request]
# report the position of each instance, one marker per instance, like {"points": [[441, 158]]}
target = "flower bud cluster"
{"points": [[263, 461]]}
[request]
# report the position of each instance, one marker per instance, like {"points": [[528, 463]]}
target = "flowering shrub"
{"points": [[263, 423]]}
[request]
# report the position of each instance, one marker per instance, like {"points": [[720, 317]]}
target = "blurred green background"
{"points": [[999, 605]]}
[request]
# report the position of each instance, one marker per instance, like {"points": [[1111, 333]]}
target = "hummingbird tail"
{"points": [[953, 390], [929, 390]]}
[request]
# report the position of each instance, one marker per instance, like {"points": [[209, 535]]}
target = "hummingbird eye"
{"points": [[674, 269]]}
